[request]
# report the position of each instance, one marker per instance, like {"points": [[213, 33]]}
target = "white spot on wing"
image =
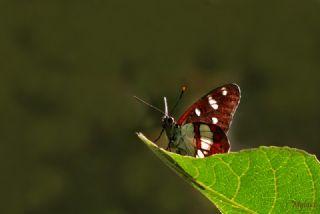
{"points": [[211, 100], [206, 140], [215, 106], [214, 120], [213, 103], [205, 146], [224, 92], [200, 154], [197, 111], [205, 152]]}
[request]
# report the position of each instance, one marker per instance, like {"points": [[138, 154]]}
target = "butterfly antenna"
{"points": [[151, 106], [183, 89], [166, 113]]}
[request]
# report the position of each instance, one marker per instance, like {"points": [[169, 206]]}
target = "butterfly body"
{"points": [[201, 130], [180, 138]]}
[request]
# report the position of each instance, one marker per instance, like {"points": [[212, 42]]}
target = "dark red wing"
{"points": [[209, 139], [217, 107]]}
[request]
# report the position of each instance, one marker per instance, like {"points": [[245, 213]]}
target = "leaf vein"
{"points": [[275, 183], [312, 181], [233, 203], [237, 176]]}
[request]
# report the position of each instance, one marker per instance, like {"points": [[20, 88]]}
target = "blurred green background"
{"points": [[69, 70]]}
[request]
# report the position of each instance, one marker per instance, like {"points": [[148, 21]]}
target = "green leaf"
{"points": [[263, 180]]}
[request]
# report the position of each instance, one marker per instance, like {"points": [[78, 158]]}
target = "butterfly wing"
{"points": [[209, 139], [217, 107], [202, 140]]}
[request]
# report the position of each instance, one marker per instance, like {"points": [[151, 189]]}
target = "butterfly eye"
{"points": [[167, 121]]}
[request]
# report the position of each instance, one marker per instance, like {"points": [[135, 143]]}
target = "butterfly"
{"points": [[202, 128]]}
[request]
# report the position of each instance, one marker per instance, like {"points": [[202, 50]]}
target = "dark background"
{"points": [[69, 70]]}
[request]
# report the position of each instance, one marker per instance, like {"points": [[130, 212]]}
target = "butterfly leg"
{"points": [[159, 136], [169, 147]]}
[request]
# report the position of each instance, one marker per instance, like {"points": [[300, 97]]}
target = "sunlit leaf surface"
{"points": [[263, 180]]}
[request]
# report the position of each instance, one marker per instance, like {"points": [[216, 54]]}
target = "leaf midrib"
{"points": [[240, 206]]}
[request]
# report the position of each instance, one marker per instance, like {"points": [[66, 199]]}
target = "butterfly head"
{"points": [[170, 126], [167, 120]]}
